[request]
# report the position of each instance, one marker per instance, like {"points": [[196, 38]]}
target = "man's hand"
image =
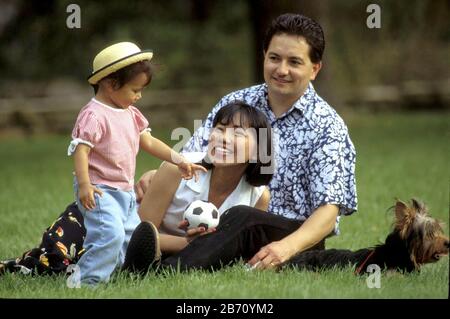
{"points": [[86, 194], [313, 230], [141, 186]]}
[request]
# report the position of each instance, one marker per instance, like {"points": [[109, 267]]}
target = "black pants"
{"points": [[242, 231]]}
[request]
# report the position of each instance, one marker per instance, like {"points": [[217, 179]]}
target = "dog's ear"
{"points": [[401, 209], [404, 217], [418, 206]]}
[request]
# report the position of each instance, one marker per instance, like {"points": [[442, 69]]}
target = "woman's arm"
{"points": [[157, 200], [172, 244], [263, 201], [160, 194], [313, 230]]}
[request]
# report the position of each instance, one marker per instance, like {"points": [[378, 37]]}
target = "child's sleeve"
{"points": [[141, 122], [87, 131]]}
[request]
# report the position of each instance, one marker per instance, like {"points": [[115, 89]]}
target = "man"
{"points": [[314, 182]]}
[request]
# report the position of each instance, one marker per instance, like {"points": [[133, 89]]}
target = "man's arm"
{"points": [[263, 201], [143, 183], [313, 230]]}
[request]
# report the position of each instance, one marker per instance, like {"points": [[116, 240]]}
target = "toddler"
{"points": [[105, 141]]}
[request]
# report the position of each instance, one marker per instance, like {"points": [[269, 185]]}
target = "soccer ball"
{"points": [[202, 214]]}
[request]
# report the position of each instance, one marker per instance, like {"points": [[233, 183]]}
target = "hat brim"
{"points": [[119, 64]]}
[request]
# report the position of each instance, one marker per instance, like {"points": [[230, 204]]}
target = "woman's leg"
{"points": [[242, 231]]}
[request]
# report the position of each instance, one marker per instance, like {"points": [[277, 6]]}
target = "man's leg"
{"points": [[242, 231]]}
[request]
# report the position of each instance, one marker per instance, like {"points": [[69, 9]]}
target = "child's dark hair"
{"points": [[126, 74], [250, 117], [297, 24]]}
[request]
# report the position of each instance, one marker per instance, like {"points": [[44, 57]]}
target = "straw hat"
{"points": [[116, 57]]}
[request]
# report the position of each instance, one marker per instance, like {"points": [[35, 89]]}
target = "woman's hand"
{"points": [[193, 233], [86, 195]]}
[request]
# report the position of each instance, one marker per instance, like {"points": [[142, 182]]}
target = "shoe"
{"points": [[9, 265], [143, 250]]}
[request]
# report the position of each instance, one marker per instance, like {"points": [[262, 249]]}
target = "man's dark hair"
{"points": [[297, 24], [126, 74], [250, 117]]}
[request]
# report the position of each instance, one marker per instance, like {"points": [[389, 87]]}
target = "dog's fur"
{"points": [[416, 239]]}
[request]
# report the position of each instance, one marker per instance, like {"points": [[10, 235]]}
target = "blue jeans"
{"points": [[108, 230]]}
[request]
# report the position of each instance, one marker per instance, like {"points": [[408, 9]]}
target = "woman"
{"points": [[235, 176]]}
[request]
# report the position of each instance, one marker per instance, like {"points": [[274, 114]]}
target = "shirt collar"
{"points": [[201, 184], [301, 104], [108, 106], [306, 99]]}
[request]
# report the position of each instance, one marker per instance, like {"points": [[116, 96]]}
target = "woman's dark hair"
{"points": [[126, 74], [297, 24], [257, 173]]}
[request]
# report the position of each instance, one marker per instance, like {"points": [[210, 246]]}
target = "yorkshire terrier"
{"points": [[416, 239]]}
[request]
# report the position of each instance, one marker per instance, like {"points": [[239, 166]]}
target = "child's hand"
{"points": [[86, 194], [189, 169]]}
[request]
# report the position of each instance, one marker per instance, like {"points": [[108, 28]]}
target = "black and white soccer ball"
{"points": [[202, 214]]}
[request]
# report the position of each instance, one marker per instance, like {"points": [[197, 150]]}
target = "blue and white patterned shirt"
{"points": [[315, 158]]}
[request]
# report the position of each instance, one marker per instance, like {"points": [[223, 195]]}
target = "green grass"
{"points": [[399, 156]]}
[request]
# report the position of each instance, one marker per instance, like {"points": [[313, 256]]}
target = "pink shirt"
{"points": [[113, 135]]}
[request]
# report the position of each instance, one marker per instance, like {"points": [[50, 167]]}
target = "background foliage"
{"points": [[202, 44]]}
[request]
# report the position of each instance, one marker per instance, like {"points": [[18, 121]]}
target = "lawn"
{"points": [[398, 156]]}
